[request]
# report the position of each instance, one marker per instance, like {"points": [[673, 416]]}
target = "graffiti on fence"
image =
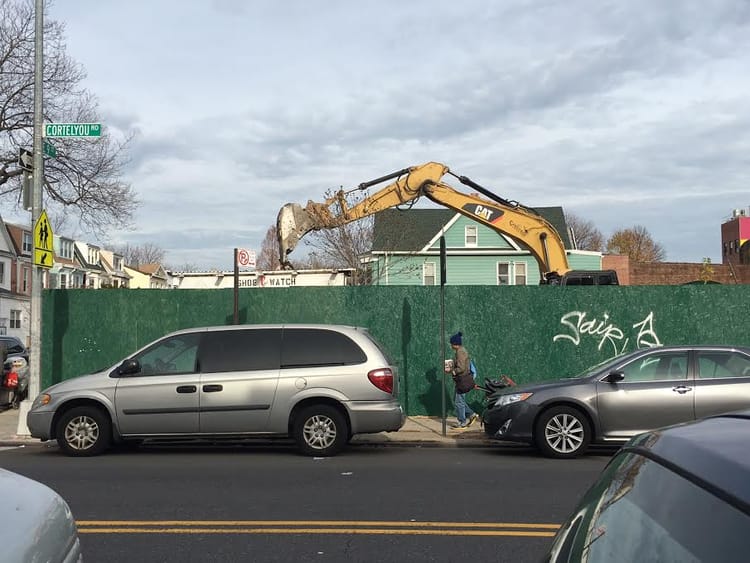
{"points": [[579, 324]]}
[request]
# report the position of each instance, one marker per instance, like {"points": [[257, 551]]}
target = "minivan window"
{"points": [[173, 355], [302, 347], [240, 350]]}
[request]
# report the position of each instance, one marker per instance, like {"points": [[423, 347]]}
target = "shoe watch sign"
{"points": [[43, 239]]}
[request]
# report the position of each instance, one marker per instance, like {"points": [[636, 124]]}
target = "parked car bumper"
{"points": [[380, 416], [40, 424], [514, 422]]}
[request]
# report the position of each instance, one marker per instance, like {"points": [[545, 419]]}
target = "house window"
{"points": [[511, 273], [25, 280], [93, 255], [28, 244], [15, 318], [470, 235], [2, 272], [118, 264], [520, 273], [503, 273], [428, 273], [66, 249], [63, 281]]}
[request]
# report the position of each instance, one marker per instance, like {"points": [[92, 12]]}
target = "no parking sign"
{"points": [[245, 258]]}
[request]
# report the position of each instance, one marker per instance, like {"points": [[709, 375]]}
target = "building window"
{"points": [[470, 235], [511, 274], [93, 255], [63, 281], [15, 318], [520, 273], [428, 273], [28, 244], [2, 272], [66, 249], [25, 280], [503, 273]]}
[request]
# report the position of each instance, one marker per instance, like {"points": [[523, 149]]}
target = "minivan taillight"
{"points": [[382, 379]]}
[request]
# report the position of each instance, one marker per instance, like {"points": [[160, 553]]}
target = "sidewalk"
{"points": [[417, 431]]}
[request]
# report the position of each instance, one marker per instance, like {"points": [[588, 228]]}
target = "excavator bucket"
{"points": [[292, 223]]}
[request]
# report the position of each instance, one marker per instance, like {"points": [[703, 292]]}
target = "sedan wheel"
{"points": [[563, 432], [320, 430], [83, 431]]}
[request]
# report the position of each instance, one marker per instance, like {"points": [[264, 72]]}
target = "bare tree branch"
{"points": [[85, 176]]}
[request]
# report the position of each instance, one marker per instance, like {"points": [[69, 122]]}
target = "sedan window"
{"points": [[716, 365], [657, 367]]}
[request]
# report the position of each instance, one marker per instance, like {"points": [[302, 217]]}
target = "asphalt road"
{"points": [[267, 503]]}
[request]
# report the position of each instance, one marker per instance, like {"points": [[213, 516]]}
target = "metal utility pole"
{"points": [[36, 209]]}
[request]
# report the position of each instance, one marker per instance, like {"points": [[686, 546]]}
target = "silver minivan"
{"points": [[319, 384]]}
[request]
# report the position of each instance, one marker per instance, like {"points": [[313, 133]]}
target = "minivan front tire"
{"points": [[84, 431], [320, 430]]}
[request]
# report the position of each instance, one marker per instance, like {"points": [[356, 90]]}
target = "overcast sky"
{"points": [[623, 112]]}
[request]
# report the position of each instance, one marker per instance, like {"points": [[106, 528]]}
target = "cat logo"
{"points": [[484, 213]]}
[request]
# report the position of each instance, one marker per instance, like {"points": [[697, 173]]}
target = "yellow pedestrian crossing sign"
{"points": [[43, 242]]}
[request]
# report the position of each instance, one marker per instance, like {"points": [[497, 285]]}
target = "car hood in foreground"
{"points": [[37, 523]]}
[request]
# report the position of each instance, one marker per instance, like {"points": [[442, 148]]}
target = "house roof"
{"points": [[412, 229], [16, 237]]}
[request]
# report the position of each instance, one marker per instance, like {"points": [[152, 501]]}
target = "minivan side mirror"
{"points": [[129, 367], [614, 376]]}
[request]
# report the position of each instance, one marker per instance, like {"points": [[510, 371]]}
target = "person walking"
{"points": [[464, 380]]}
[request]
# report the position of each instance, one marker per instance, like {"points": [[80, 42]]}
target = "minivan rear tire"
{"points": [[320, 430], [84, 431]]}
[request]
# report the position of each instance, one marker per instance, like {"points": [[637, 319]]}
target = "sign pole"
{"points": [[442, 321], [35, 358], [236, 288]]}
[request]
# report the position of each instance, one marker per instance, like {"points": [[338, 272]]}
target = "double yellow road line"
{"points": [[350, 527]]}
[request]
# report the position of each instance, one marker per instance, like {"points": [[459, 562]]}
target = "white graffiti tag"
{"points": [[606, 332]]}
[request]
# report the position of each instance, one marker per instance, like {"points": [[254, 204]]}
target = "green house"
{"points": [[406, 250]]}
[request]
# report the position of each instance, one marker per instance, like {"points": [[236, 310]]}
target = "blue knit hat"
{"points": [[456, 339]]}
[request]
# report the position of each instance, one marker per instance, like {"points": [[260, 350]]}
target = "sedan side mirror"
{"points": [[129, 367], [614, 376]]}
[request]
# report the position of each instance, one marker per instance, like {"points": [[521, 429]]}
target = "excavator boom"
{"points": [[520, 223]]}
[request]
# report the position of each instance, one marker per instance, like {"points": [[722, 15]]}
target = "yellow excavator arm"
{"points": [[522, 224]]}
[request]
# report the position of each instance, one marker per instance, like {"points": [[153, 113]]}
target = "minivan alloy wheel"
{"points": [[84, 431], [81, 432], [320, 432]]}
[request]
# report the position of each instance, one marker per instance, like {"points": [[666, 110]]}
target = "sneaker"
{"points": [[472, 419], [460, 426]]}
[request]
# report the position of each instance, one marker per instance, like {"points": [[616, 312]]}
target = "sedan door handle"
{"points": [[213, 388], [187, 389], [682, 389]]}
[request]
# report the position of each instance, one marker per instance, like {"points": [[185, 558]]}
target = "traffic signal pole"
{"points": [[35, 358]]}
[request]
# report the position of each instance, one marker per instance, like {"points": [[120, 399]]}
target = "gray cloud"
{"points": [[626, 113]]}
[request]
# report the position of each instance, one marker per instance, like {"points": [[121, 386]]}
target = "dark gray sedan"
{"points": [[622, 397]]}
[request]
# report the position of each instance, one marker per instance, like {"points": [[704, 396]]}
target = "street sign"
{"points": [[72, 129], [43, 239], [43, 258], [25, 159], [49, 149], [245, 258]]}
